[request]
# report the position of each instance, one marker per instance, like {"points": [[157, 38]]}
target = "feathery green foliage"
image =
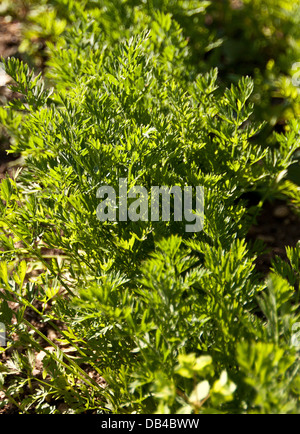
{"points": [[174, 322]]}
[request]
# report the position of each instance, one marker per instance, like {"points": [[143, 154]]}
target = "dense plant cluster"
{"points": [[172, 322]]}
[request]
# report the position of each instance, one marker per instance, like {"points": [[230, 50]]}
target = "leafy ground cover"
{"points": [[142, 316]]}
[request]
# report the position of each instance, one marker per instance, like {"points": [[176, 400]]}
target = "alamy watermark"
{"points": [[153, 205], [295, 341], [2, 68], [4, 78], [296, 75], [2, 335]]}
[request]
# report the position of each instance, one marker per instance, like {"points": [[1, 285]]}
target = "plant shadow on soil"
{"points": [[278, 226]]}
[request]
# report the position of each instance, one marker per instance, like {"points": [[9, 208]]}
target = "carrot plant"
{"points": [[148, 318]]}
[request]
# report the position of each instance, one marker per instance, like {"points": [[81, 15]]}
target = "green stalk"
{"points": [[11, 399], [28, 304], [74, 368], [36, 253]]}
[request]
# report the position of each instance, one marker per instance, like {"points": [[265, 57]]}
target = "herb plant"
{"points": [[147, 318]]}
